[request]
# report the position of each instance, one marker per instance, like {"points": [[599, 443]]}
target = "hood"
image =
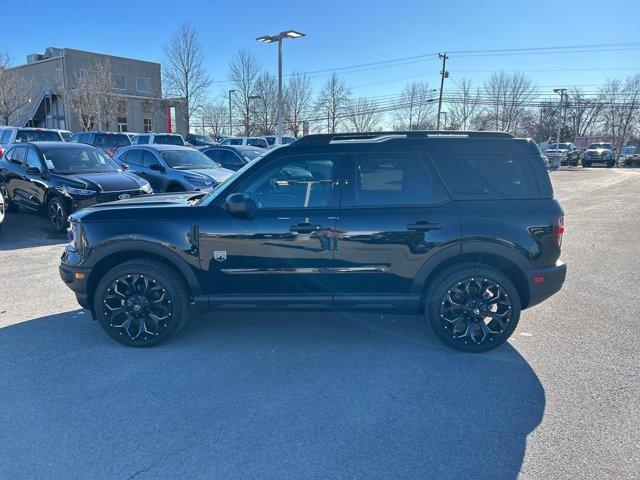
{"points": [[216, 174], [104, 182], [136, 208]]}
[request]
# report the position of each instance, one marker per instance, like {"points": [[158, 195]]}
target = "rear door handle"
{"points": [[305, 228], [424, 226]]}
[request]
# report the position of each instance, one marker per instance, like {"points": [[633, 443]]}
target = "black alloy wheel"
{"points": [[141, 303], [57, 214], [477, 308], [2, 208]]}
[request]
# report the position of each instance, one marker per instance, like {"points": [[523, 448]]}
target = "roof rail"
{"points": [[327, 138]]}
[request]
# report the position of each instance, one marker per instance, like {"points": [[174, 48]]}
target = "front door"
{"points": [[282, 256], [395, 215]]}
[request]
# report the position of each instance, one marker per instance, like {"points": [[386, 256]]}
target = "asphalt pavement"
{"points": [[332, 395]]}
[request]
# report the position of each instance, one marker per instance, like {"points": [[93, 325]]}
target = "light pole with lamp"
{"points": [[556, 159], [278, 38], [230, 118]]}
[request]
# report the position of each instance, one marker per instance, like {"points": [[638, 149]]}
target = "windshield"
{"points": [[559, 146], [37, 136], [187, 159], [66, 135], [105, 140], [257, 142], [67, 161], [203, 138], [600, 145], [251, 154], [271, 140], [168, 140]]}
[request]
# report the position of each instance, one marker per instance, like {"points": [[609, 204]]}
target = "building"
{"points": [[137, 105]]}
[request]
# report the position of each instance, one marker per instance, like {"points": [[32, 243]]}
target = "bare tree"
{"points": [[415, 107], [264, 104], [508, 98], [215, 118], [184, 71], [15, 90], [333, 101], [297, 102], [583, 113], [464, 103], [244, 70], [108, 107], [363, 114], [621, 108]]}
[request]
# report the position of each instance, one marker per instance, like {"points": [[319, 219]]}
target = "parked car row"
{"points": [[600, 153], [56, 178]]}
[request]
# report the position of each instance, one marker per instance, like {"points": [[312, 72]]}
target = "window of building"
{"points": [[122, 124], [143, 84], [147, 125], [119, 81]]}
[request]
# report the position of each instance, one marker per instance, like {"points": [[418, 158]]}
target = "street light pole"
{"points": [[230, 117], [278, 38], [556, 158]]}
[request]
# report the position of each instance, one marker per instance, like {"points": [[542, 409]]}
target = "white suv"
{"points": [[279, 140], [259, 142], [158, 139]]}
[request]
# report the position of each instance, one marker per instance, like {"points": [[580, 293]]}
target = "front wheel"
{"points": [[9, 206], [586, 164], [57, 214], [472, 307], [141, 303]]}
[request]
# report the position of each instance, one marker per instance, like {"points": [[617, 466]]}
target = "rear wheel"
{"points": [[141, 303], [472, 307], [57, 214], [2, 209], [586, 164]]}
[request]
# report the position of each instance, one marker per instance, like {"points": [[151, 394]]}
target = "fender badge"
{"points": [[220, 255], [123, 196]]}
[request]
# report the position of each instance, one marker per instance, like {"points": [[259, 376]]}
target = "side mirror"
{"points": [[237, 205], [157, 167], [33, 171]]}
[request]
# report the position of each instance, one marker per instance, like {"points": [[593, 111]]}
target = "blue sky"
{"points": [[342, 33]]}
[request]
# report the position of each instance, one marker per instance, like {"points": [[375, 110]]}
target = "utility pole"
{"points": [[556, 158], [444, 75]]}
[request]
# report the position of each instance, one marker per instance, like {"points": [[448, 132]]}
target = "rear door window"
{"points": [[392, 179], [6, 136], [134, 157], [486, 177], [108, 140], [149, 159], [257, 142], [168, 140]]}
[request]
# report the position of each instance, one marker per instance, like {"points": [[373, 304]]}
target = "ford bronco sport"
{"points": [[460, 227]]}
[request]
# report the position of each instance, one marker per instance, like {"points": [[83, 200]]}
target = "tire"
{"points": [[461, 327], [9, 206], [610, 165], [158, 290], [586, 164], [3, 209], [57, 213]]}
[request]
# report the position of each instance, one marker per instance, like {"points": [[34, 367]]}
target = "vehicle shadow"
{"points": [[24, 229], [277, 395]]}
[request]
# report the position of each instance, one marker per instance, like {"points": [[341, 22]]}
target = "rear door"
{"points": [[17, 178], [34, 184], [395, 215]]}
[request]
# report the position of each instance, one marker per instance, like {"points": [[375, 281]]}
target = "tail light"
{"points": [[558, 230], [111, 152], [1, 152]]}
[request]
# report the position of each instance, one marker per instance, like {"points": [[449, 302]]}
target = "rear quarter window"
{"points": [[487, 177]]}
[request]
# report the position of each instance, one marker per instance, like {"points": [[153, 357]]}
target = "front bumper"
{"points": [[75, 277], [552, 280]]}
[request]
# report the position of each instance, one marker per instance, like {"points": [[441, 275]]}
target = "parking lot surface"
{"points": [[332, 395]]}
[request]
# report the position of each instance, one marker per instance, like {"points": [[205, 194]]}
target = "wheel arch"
{"points": [[109, 256], [502, 258]]}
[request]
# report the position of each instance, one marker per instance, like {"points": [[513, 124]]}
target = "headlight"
{"points": [[146, 188], [75, 236], [199, 181], [77, 191]]}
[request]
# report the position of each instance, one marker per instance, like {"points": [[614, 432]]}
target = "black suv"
{"points": [[461, 227], [57, 178]]}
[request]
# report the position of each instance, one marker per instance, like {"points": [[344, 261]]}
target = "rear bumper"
{"points": [[552, 281]]}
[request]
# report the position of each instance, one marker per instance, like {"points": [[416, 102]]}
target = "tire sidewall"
{"points": [[174, 288], [65, 211], [448, 278]]}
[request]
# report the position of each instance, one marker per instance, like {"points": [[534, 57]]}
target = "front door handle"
{"points": [[424, 226], [305, 227]]}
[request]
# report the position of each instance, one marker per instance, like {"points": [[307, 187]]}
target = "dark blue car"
{"points": [[172, 168]]}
